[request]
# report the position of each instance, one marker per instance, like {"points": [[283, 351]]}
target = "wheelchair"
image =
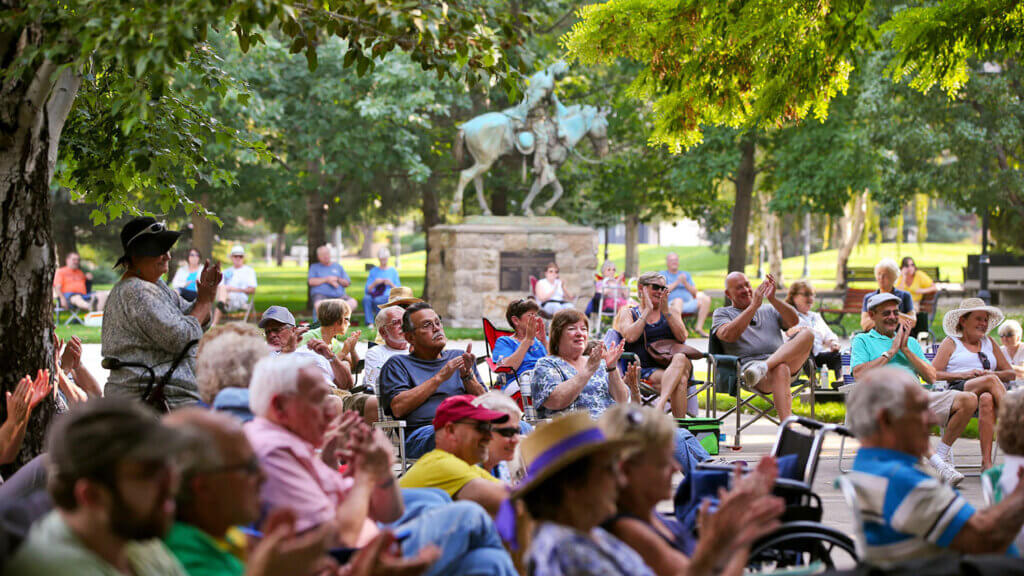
{"points": [[802, 540]]}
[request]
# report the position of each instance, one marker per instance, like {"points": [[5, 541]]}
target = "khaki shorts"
{"points": [[941, 403]]}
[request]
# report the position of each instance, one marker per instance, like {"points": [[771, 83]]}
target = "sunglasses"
{"points": [[985, 364], [657, 287], [506, 432], [154, 228]]}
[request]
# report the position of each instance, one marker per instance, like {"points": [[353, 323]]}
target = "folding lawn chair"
{"points": [[506, 375], [726, 377]]}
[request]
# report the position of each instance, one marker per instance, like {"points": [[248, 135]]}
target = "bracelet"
{"points": [[612, 367], [389, 482]]}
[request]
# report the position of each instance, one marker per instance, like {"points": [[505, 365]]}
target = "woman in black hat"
{"points": [[146, 322]]}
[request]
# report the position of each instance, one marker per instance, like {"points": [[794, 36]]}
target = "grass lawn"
{"points": [[286, 286]]}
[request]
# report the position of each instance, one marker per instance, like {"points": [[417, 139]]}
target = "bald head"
{"points": [[323, 254], [672, 262], [737, 289]]}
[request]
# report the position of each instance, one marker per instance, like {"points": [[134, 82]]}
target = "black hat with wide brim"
{"points": [[136, 243]]}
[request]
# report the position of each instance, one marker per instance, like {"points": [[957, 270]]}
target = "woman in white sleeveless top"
{"points": [[970, 360]]}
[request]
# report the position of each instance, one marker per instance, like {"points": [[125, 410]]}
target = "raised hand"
{"points": [[206, 286], [27, 395], [350, 344], [468, 361], [320, 347], [282, 553], [374, 455], [611, 355], [72, 355], [40, 389], [451, 366], [632, 379], [770, 290], [595, 358]]}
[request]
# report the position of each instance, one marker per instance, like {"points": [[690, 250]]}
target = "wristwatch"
{"points": [[610, 368], [887, 355]]}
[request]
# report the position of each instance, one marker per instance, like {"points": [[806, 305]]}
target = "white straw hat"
{"points": [[968, 305]]}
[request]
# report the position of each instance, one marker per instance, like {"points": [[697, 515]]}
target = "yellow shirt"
{"points": [[440, 469], [921, 281]]}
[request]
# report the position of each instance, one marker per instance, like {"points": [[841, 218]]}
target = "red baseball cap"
{"points": [[455, 408]]}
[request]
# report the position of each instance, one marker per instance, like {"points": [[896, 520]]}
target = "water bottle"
{"points": [[823, 379]]}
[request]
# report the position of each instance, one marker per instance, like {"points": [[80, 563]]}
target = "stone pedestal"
{"points": [[466, 262]]}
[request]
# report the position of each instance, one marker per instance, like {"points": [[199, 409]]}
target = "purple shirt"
{"points": [[298, 479]]}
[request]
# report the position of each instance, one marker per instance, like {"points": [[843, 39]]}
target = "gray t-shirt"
{"points": [[405, 372], [761, 338], [148, 323]]}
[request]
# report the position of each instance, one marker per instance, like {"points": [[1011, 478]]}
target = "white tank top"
{"points": [[964, 360]]}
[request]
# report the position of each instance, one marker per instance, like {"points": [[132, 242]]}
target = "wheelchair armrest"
{"points": [[724, 359], [785, 487]]}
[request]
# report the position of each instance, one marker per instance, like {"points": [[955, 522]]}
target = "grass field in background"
{"points": [[286, 286]]}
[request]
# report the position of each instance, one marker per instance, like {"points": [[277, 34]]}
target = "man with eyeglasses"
{"points": [[112, 475], [220, 491], [238, 284], [412, 386], [463, 431], [284, 337], [889, 344]]}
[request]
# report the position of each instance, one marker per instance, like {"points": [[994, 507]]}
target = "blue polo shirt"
{"points": [[507, 346], [869, 346], [906, 300], [907, 513], [318, 270]]}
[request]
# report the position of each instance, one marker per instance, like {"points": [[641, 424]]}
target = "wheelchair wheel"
{"points": [[803, 544]]}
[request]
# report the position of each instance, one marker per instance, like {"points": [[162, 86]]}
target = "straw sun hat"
{"points": [[400, 296], [966, 306], [560, 442]]}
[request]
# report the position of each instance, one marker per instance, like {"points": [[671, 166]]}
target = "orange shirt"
{"points": [[69, 280]]}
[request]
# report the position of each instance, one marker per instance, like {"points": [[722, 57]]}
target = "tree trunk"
{"points": [[279, 248], [33, 108], [202, 229], [773, 241], [632, 241], [63, 225], [431, 218], [851, 225], [745, 177], [366, 249]]}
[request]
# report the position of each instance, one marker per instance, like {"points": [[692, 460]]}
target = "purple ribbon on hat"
{"points": [[558, 450]]}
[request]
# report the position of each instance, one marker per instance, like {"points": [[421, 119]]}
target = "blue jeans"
{"points": [[688, 450], [371, 305], [464, 532], [419, 441]]}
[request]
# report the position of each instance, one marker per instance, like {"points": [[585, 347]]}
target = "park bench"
{"points": [[853, 303], [867, 273], [1006, 283]]}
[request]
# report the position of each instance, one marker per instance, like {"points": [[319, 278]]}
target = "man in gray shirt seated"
{"points": [[753, 333]]}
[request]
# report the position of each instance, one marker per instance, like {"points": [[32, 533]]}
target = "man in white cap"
{"points": [[889, 344], [238, 284]]}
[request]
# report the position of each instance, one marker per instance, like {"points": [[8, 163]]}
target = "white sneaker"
{"points": [[946, 470], [754, 372]]}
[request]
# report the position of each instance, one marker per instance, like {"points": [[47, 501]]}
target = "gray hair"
{"points": [[384, 252], [882, 390], [227, 362], [275, 376], [499, 402], [380, 321], [1010, 327], [889, 265]]}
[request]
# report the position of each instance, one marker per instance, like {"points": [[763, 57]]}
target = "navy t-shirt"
{"points": [[405, 372], [906, 300]]}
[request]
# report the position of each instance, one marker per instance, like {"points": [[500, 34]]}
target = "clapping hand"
{"points": [[350, 344], [633, 380], [27, 395], [770, 290], [320, 347], [372, 453], [468, 361], [611, 355], [72, 356], [382, 556], [206, 286], [282, 552], [595, 358]]}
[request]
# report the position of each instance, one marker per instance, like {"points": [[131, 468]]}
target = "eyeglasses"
{"points": [[276, 329], [506, 432], [985, 364], [657, 287], [154, 228], [481, 426], [887, 313]]}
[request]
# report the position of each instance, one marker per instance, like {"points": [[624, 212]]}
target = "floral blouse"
{"points": [[558, 550], [551, 371]]}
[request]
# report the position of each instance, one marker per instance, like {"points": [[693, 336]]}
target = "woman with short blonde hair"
{"points": [[1010, 335], [826, 344], [886, 273]]}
